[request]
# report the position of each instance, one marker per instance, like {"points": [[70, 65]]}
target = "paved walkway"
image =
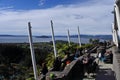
{"points": [[105, 72]]}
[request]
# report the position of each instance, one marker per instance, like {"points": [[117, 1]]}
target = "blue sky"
{"points": [[36, 4], [92, 16]]}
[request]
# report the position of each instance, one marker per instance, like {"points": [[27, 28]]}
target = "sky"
{"points": [[93, 17]]}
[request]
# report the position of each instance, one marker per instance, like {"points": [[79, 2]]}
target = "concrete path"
{"points": [[105, 72]]}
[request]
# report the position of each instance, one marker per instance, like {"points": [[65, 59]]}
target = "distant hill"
{"points": [[5, 35], [13, 35], [42, 36]]}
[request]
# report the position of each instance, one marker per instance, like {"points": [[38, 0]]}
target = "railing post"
{"points": [[117, 17], [113, 33], [68, 37], [53, 39], [32, 52], [79, 37], [117, 12]]}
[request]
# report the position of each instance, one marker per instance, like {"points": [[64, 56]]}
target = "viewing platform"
{"points": [[105, 71]]}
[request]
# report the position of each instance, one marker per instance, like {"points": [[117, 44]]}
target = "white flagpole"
{"points": [[53, 39], [68, 37], [32, 51], [79, 37]]}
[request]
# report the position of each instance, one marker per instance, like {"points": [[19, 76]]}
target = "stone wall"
{"points": [[67, 74]]}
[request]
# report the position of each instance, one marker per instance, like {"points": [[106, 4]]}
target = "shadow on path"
{"points": [[105, 74]]}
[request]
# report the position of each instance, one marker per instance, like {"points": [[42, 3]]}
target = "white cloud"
{"points": [[92, 18], [4, 8], [41, 2]]}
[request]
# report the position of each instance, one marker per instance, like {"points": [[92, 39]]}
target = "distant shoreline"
{"points": [[38, 39], [72, 36]]}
